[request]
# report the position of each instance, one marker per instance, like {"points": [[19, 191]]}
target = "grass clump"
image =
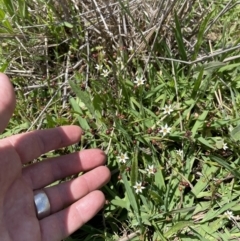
{"points": [[153, 83]]}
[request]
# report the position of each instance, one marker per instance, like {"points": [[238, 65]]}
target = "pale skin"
{"points": [[72, 203]]}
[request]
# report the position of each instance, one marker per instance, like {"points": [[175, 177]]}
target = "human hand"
{"points": [[72, 203]]}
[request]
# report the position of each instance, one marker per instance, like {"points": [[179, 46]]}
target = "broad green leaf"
{"points": [[120, 203], [205, 142], [199, 122], [67, 24], [82, 122], [83, 96], [177, 227], [229, 67], [235, 133]]}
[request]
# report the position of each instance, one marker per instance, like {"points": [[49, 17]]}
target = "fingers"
{"points": [[64, 194], [61, 224], [33, 144], [7, 101], [46, 172]]}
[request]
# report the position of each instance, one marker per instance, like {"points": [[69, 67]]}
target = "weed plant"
{"points": [[155, 84]]}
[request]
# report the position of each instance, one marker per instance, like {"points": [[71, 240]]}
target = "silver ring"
{"points": [[42, 204]]}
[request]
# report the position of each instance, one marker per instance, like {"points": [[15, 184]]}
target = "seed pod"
{"points": [[149, 130], [154, 142]]}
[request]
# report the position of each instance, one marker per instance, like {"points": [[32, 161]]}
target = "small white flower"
{"points": [[139, 80], [130, 48], [98, 67], [138, 187], [165, 130], [123, 158], [229, 215], [150, 169], [180, 153], [105, 73], [118, 60], [225, 147], [167, 109]]}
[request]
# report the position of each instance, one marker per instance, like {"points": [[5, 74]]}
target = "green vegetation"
{"points": [[156, 84]]}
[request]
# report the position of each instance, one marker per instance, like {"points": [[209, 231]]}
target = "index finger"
{"points": [[33, 144]]}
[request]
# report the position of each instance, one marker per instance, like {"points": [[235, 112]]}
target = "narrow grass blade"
{"points": [[229, 67], [197, 84], [179, 38], [226, 165], [131, 196], [201, 35], [199, 122], [205, 142], [134, 168], [9, 5], [22, 8]]}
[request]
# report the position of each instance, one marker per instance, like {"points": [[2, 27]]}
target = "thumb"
{"points": [[7, 101]]}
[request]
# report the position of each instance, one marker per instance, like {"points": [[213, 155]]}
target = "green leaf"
{"points": [[235, 133], [130, 195], [15, 130], [201, 35], [197, 84], [134, 168], [67, 24], [82, 122], [120, 203], [226, 165], [22, 8], [153, 92], [205, 142], [202, 183], [10, 7], [83, 96], [229, 67], [179, 38], [176, 228], [199, 122]]}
